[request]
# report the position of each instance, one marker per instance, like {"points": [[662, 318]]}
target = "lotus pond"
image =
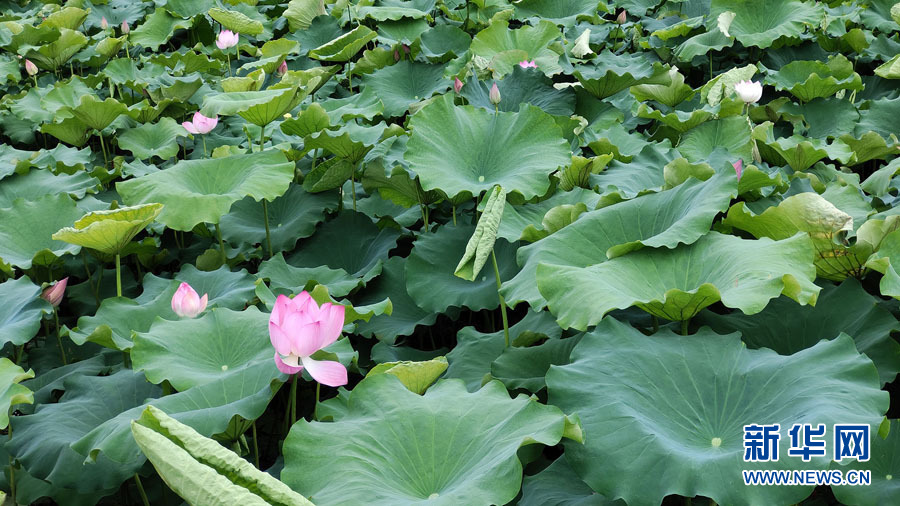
{"points": [[449, 252]]}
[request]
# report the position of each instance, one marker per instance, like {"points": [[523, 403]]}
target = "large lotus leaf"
{"points": [[225, 288], [558, 485], [198, 191], [524, 367], [807, 80], [21, 310], [153, 139], [416, 376], [528, 218], [463, 149], [678, 119], [287, 279], [701, 44], [42, 442], [344, 47], [611, 73], [884, 465], [521, 86], [26, 229], [658, 220], [527, 42], [448, 446], [404, 83], [194, 352], [722, 86], [53, 55], [12, 392], [300, 13], [676, 284], [847, 308], [471, 358], [96, 113], [884, 261], [257, 107], [406, 314], [870, 146], [878, 117], [431, 264], [350, 242], [670, 95], [797, 151], [39, 183], [70, 130], [109, 231], [676, 406], [362, 105], [157, 29], [761, 22], [350, 143], [292, 216], [729, 134], [235, 21], [561, 12]]}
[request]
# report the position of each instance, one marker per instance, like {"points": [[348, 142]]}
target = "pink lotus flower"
{"points": [[54, 294], [298, 328], [457, 85], [200, 124], [226, 39], [525, 64], [30, 68], [125, 28], [282, 69], [494, 95], [186, 303], [739, 168], [104, 24]]}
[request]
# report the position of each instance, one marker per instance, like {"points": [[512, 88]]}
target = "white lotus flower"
{"points": [[748, 91]]}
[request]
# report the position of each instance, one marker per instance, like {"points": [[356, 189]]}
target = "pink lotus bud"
{"points": [[186, 302], [282, 69], [739, 168], [104, 24], [31, 68], [54, 294], [525, 64], [298, 328], [494, 96], [226, 39], [125, 28], [396, 55], [457, 85], [200, 124], [620, 19], [405, 48]]}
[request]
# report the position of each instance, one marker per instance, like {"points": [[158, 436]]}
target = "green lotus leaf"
{"points": [[626, 180], [98, 114], [822, 117], [292, 216], [701, 44], [878, 183], [111, 230], [518, 87], [287, 279], [870, 146], [55, 54], [677, 284], [884, 260], [529, 218], [670, 94], [416, 376], [807, 80], [481, 244], [799, 152], [518, 150], [561, 12], [350, 144], [235, 21], [432, 263], [558, 485], [396, 185], [884, 467], [612, 73], [179, 89], [889, 69], [485, 428], [722, 86], [311, 120], [846, 308], [362, 105], [729, 134], [300, 13], [157, 29], [13, 393], [406, 314], [222, 342], [201, 470], [525, 43], [761, 23], [153, 139], [879, 15], [67, 17], [198, 191], [21, 310], [39, 183], [679, 120], [525, 367], [70, 130], [404, 83], [653, 401], [257, 107], [382, 13], [344, 47], [443, 40], [102, 51], [656, 220], [26, 229]]}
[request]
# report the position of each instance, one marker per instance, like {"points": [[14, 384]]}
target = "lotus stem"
{"points": [[424, 216], [222, 243], [502, 300], [90, 277], [228, 55], [103, 148], [118, 276], [293, 401], [316, 407], [655, 324], [12, 474], [35, 81], [454, 214], [684, 326], [266, 220], [350, 74], [204, 146], [140, 487], [255, 445], [62, 352]]}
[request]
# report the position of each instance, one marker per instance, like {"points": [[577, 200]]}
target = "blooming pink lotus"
{"points": [[298, 328], [739, 168], [525, 64], [200, 124], [54, 294], [186, 303], [226, 39], [457, 85]]}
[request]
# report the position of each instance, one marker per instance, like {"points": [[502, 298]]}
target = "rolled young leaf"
{"points": [[482, 242]]}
